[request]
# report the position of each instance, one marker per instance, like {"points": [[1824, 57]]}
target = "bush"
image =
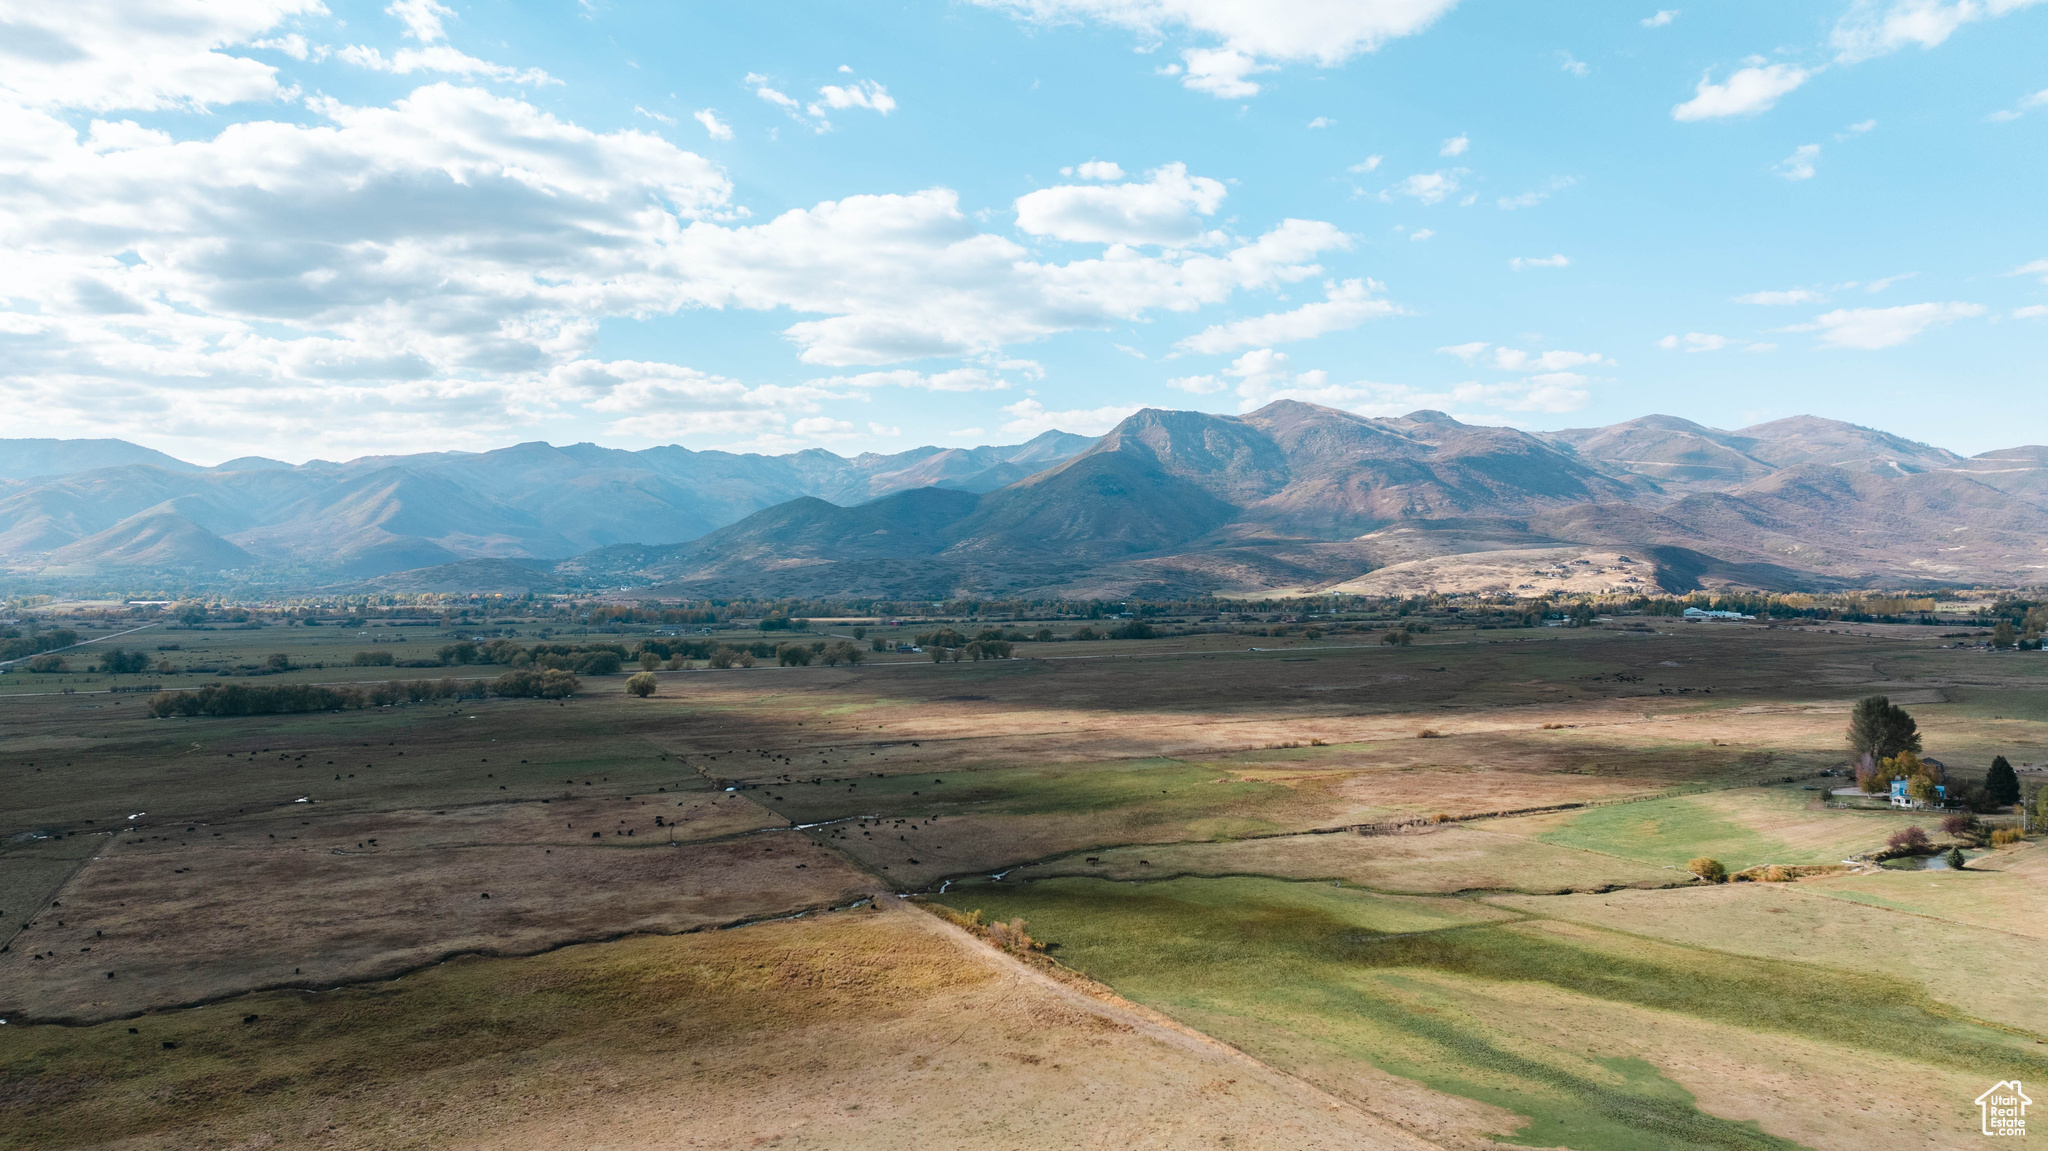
{"points": [[794, 656], [1135, 629], [530, 684], [641, 684], [374, 659], [244, 699], [1955, 858], [47, 662], [987, 649], [1962, 826], [1908, 840], [119, 662], [1085, 632], [600, 663], [2006, 835], [460, 653], [649, 661], [1707, 869], [1397, 638]]}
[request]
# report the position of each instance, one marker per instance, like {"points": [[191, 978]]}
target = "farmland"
{"points": [[1427, 895]]}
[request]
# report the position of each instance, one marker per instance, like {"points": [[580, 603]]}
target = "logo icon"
{"points": [[2004, 1109]]}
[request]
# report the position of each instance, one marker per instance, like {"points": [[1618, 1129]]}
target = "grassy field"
{"points": [[1206, 829]]}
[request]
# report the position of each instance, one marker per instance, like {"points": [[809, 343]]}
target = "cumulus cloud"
{"points": [[1347, 305], [1535, 196], [716, 128], [1247, 39], [1695, 342], [1321, 122], [1265, 375], [1199, 385], [1095, 170], [139, 55], [2030, 312], [1749, 91], [1552, 261], [1876, 27], [1661, 18], [1779, 299], [2033, 268], [1869, 329], [1421, 234], [1368, 164], [1428, 187], [439, 58], [1029, 418], [1167, 209], [1574, 65], [1455, 146], [860, 94], [1799, 165], [2026, 104]]}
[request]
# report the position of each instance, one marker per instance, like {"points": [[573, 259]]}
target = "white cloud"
{"points": [[1778, 299], [1856, 129], [139, 55], [1321, 122], [1428, 187], [422, 19], [1868, 329], [1265, 375], [883, 429], [1165, 210], [1366, 165], [716, 128], [654, 116], [1536, 196], [1029, 418], [1095, 170], [1421, 234], [2030, 312], [2026, 104], [860, 94], [1663, 17], [1799, 165], [1251, 38], [956, 380], [779, 99], [1347, 305], [2037, 267], [962, 433], [1575, 66], [1695, 342], [439, 58], [1876, 286], [1876, 27], [666, 401], [825, 428], [1747, 92], [1552, 261], [1198, 385], [1466, 352], [1455, 146], [1553, 363]]}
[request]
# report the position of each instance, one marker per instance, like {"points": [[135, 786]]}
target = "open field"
{"points": [[1227, 836]]}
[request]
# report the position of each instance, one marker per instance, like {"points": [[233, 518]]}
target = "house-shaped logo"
{"points": [[2005, 1109]]}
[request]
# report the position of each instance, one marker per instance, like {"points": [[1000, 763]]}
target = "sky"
{"points": [[322, 230]]}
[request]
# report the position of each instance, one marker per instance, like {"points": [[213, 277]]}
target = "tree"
{"points": [[1955, 858], [794, 655], [1707, 869], [1399, 638], [2002, 635], [2001, 784], [641, 684], [1910, 840], [278, 661], [649, 661], [1581, 614], [1882, 728]]}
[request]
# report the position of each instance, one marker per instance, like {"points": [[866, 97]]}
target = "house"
{"points": [[2004, 1109], [1696, 615], [1901, 798]]}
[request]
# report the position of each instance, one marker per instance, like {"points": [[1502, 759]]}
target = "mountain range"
{"points": [[1292, 497]]}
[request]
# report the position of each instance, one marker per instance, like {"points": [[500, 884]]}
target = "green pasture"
{"points": [[1316, 973]]}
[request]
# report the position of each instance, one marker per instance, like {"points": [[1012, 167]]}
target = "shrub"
{"points": [[527, 683], [600, 663], [244, 699], [1044, 635], [1908, 840], [1085, 632], [987, 649], [1955, 858], [2006, 835], [1399, 638], [47, 662], [1135, 629], [641, 684], [374, 659], [119, 662], [1012, 937], [794, 655], [649, 661], [1707, 869], [460, 653], [1429, 733]]}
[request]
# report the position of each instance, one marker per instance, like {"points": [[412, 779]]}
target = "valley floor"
{"points": [[1330, 894]]}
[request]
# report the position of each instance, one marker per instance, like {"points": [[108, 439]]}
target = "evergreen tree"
{"points": [[2001, 784]]}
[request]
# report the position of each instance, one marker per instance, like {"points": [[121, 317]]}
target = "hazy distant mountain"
{"points": [[27, 459], [376, 515], [1295, 496]]}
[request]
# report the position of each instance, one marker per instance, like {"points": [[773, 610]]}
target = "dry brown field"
{"points": [[642, 859]]}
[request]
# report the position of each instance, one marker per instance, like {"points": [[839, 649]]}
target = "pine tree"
{"points": [[2001, 784]]}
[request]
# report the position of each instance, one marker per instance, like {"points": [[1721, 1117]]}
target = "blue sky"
{"points": [[296, 229]]}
